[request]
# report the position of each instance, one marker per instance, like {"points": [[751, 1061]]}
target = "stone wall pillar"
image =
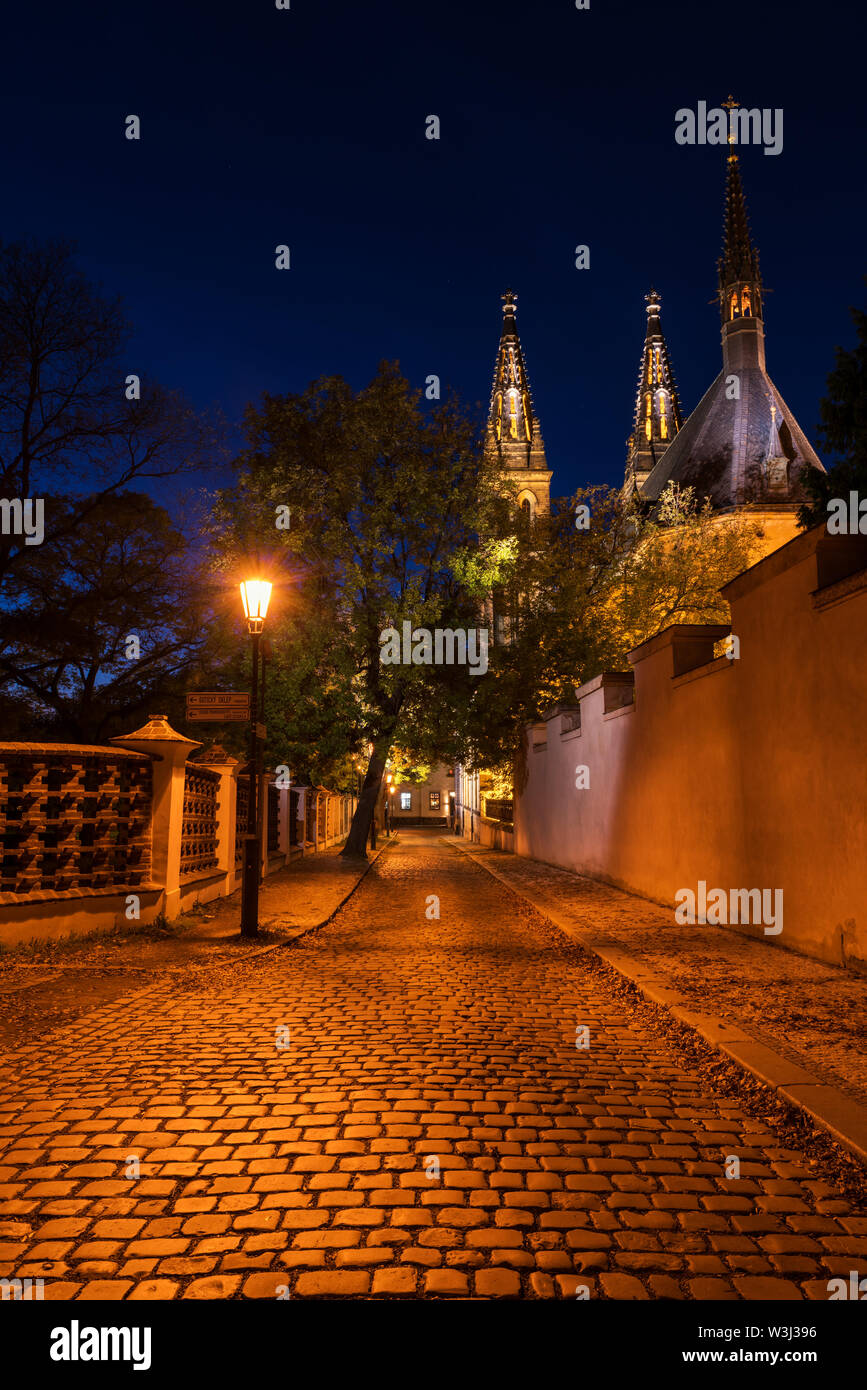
{"points": [[170, 751]]}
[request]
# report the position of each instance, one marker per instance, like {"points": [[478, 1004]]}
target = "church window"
{"points": [[663, 421], [746, 302], [733, 307], [526, 405], [658, 373], [513, 414], [526, 510]]}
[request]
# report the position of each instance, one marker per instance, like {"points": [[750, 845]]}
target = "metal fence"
{"points": [[199, 836], [499, 810]]}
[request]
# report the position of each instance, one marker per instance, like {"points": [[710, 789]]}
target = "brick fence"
{"points": [[92, 837]]}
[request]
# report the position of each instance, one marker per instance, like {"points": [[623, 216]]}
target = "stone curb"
{"points": [[844, 1118], [292, 937]]}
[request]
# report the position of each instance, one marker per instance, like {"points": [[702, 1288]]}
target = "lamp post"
{"points": [[255, 596]]}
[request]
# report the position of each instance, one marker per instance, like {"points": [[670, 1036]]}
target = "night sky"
{"points": [[307, 127]]}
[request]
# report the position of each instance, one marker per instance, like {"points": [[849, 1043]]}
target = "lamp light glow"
{"points": [[255, 596]]}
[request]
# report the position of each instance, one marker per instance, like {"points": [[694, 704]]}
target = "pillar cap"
{"points": [[156, 730]]}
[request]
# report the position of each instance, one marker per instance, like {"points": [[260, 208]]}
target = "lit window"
{"points": [[648, 426], [746, 303], [434, 801], [513, 414], [733, 307], [406, 801], [663, 422]]}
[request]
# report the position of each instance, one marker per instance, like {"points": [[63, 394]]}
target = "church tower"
{"points": [[514, 436], [740, 281], [742, 447], [657, 417]]}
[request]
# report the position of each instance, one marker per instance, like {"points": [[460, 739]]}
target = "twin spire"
{"points": [[657, 416], [512, 422], [514, 436]]}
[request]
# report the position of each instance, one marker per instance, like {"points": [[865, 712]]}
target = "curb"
{"points": [[293, 935], [845, 1119]]}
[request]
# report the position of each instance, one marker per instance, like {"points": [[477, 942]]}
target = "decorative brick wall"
{"points": [[142, 826], [73, 819]]}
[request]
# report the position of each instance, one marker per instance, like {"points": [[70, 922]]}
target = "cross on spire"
{"points": [[730, 104]]}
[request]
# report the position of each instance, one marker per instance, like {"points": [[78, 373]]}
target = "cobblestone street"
{"points": [[427, 1127]]}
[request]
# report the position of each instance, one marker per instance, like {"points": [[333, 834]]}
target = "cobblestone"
{"points": [[432, 1131]]}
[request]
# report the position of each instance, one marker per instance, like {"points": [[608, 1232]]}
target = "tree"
{"points": [[383, 498], [842, 431], [104, 629], [74, 405], [579, 600]]}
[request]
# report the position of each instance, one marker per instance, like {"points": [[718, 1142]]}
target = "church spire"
{"points": [[657, 417], [740, 280], [514, 435]]}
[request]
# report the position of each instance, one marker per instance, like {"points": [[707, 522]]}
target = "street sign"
{"points": [[227, 706]]}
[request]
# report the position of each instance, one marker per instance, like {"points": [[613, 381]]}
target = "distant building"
{"points": [[741, 447]]}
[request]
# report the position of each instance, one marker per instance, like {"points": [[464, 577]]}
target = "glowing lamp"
{"points": [[255, 596]]}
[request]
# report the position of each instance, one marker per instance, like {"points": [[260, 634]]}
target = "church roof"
{"points": [[737, 452], [741, 445]]}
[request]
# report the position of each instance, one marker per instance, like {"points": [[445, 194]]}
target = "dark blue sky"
{"points": [[306, 127]]}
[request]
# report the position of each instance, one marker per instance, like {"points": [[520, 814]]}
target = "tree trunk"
{"points": [[359, 831]]}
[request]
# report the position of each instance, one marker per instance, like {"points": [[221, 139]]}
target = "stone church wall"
{"points": [[737, 773]]}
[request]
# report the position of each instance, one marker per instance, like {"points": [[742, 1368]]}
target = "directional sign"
{"points": [[227, 706]]}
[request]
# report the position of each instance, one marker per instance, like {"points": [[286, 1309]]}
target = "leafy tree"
{"points": [[385, 500], [842, 431], [580, 600], [106, 628]]}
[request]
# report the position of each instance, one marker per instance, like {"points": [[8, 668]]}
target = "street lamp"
{"points": [[255, 596]]}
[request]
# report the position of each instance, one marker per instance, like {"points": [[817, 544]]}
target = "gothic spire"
{"points": [[512, 422], [739, 259], [739, 277], [657, 416], [514, 435]]}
